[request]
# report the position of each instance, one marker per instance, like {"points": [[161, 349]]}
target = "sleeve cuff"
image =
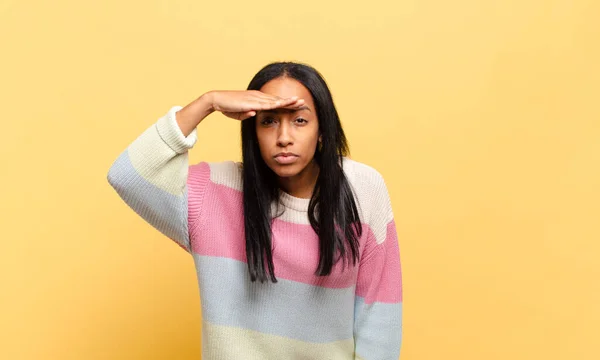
{"points": [[171, 134]]}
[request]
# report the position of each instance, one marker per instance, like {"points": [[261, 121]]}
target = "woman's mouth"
{"points": [[286, 158]]}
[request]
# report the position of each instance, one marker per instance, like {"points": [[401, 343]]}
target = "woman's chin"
{"points": [[286, 170]]}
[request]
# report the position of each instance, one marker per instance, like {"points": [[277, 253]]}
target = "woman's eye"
{"points": [[301, 121], [267, 121]]}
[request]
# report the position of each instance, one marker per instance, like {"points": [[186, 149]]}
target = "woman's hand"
{"points": [[241, 105], [236, 104]]}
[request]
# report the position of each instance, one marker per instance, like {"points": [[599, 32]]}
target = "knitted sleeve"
{"points": [[378, 300], [151, 177]]}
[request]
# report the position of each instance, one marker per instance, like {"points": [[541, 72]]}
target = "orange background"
{"points": [[482, 116]]}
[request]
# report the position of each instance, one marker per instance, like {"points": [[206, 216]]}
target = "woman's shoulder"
{"points": [[361, 174], [227, 173], [369, 187]]}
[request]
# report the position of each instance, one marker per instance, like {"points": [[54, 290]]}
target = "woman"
{"points": [[295, 247]]}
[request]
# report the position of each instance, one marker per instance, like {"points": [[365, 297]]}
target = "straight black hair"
{"points": [[332, 210]]}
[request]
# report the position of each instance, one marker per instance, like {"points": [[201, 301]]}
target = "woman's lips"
{"points": [[286, 159]]}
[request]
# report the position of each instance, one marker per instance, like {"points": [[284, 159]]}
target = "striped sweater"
{"points": [[355, 313]]}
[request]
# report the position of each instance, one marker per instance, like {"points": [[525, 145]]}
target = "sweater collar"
{"points": [[293, 202]]}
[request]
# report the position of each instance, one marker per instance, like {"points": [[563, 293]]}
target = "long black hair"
{"points": [[332, 210]]}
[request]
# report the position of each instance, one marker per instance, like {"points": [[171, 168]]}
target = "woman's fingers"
{"points": [[297, 103], [280, 103], [240, 115], [266, 96], [273, 98], [253, 102], [244, 101], [252, 109], [269, 105]]}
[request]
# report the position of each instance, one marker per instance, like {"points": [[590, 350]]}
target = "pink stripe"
{"points": [[217, 229], [296, 246], [197, 181], [296, 257], [380, 276], [220, 229]]}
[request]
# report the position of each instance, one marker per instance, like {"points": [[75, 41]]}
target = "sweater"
{"points": [[354, 313]]}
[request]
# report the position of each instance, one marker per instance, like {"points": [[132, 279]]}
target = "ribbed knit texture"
{"points": [[355, 313]]}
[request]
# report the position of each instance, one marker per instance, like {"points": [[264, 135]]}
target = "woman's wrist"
{"points": [[189, 117]]}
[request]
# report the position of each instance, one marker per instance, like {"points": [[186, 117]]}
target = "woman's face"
{"points": [[291, 131]]}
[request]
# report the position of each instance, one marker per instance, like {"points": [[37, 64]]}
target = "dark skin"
{"points": [[291, 126], [290, 130]]}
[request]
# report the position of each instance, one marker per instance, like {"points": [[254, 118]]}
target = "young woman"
{"points": [[295, 247]]}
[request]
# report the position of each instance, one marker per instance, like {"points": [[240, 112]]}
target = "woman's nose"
{"points": [[283, 136]]}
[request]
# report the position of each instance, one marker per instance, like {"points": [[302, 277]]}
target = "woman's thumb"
{"points": [[249, 114]]}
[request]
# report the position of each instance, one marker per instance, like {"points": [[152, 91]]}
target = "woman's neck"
{"points": [[302, 184]]}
